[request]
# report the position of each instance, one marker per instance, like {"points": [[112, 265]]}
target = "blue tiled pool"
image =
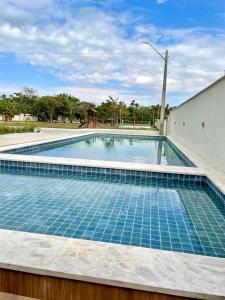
{"points": [[138, 149], [157, 211]]}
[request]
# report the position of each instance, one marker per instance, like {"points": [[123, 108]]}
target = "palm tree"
{"points": [[114, 105], [134, 107]]}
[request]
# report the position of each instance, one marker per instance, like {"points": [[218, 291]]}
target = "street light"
{"points": [[163, 101]]}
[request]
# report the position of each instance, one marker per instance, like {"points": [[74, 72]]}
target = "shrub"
{"points": [[5, 129]]}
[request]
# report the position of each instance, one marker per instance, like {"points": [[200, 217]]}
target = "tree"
{"points": [[51, 105], [45, 107], [133, 108], [25, 100], [39, 109], [68, 106], [115, 105], [104, 111], [7, 107], [48, 108]]}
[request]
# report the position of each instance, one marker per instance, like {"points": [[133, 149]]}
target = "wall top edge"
{"points": [[202, 91]]}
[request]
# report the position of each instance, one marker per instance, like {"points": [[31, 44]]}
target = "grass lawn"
{"points": [[16, 127], [6, 128]]}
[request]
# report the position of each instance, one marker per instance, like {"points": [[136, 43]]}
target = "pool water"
{"points": [[116, 148], [183, 218]]}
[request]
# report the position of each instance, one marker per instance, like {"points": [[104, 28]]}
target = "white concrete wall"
{"points": [[199, 123], [18, 118], [30, 118]]}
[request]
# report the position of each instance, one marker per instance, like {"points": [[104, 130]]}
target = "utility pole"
{"points": [[163, 101], [121, 117]]}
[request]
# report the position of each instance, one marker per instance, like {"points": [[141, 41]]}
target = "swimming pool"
{"points": [[109, 147], [154, 210]]}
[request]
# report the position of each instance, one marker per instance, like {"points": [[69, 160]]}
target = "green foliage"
{"points": [[50, 108], [24, 100], [5, 129], [7, 107]]}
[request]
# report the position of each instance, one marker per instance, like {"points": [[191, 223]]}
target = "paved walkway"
{"points": [[20, 138]]}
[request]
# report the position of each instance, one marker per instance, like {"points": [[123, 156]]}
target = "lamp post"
{"points": [[163, 101]]}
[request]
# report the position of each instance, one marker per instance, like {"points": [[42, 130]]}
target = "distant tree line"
{"points": [[70, 108]]}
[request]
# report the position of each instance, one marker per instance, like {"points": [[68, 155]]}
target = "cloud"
{"points": [[102, 53], [24, 13], [88, 93], [160, 1]]}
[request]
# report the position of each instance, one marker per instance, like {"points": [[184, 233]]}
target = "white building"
{"points": [[22, 118]]}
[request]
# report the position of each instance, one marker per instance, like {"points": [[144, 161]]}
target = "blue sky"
{"points": [[93, 48]]}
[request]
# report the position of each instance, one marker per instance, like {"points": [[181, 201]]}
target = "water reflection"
{"points": [[159, 152], [109, 143], [89, 142], [139, 150]]}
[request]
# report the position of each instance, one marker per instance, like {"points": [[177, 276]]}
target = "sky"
{"points": [[93, 49]]}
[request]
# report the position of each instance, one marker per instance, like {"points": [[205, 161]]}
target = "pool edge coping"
{"points": [[116, 265]]}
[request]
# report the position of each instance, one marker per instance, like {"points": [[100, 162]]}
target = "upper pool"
{"points": [[124, 148]]}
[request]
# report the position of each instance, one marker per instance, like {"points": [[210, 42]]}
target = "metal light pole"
{"points": [[163, 101]]}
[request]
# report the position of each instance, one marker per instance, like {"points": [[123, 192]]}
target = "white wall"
{"points": [[18, 118], [30, 118], [24, 117], [185, 123]]}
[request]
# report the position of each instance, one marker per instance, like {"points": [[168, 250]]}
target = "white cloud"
{"points": [[196, 56], [33, 5], [89, 93], [161, 1]]}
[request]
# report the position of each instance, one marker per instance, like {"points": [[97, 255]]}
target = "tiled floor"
{"points": [[185, 219]]}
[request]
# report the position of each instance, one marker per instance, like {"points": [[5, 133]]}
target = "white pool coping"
{"points": [[140, 268]]}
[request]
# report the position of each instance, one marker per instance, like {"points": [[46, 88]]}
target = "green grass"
{"points": [[16, 127]]}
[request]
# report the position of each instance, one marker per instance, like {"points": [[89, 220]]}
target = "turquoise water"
{"points": [[184, 218], [111, 148]]}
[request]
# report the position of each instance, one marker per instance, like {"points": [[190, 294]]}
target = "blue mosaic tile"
{"points": [[146, 209], [71, 170]]}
